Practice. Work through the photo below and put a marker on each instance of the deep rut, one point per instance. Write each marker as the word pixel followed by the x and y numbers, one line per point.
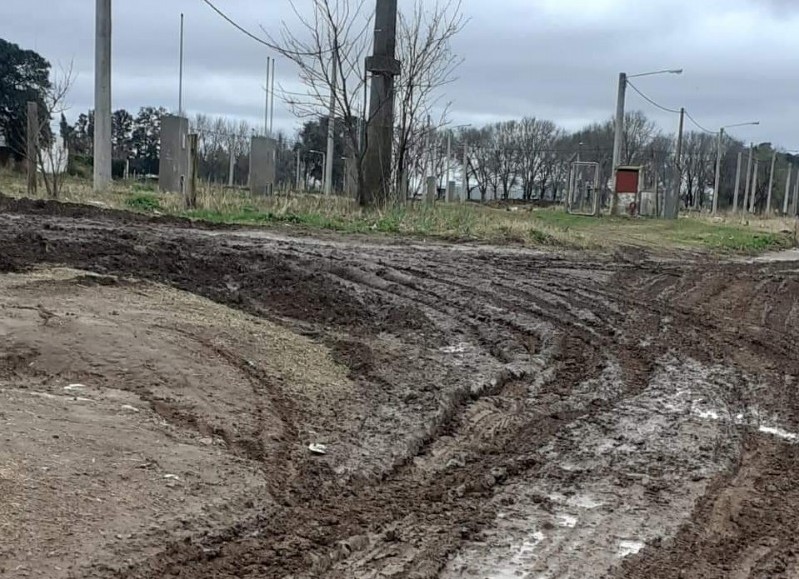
pixel 468 363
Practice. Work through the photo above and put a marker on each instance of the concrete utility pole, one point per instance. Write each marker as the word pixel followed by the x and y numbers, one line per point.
pixel 717 186
pixel 737 182
pixel 619 129
pixel 102 96
pixel 617 139
pixel 787 190
pixel 796 198
pixel 753 196
pixel 384 68
pixel 331 125
pixel 747 180
pixel 299 184
pixel 672 201
pixel 266 97
pixel 231 165
pixel 272 101
pixel 465 172
pixel 449 158
pixel 771 183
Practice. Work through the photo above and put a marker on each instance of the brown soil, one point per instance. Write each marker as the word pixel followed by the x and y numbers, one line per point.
pixel 487 412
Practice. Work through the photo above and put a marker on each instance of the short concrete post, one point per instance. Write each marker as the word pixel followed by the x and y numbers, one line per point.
pixel 451 192
pixel 432 192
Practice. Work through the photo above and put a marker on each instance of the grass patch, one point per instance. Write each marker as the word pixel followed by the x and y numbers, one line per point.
pixel 146 203
pixel 520 225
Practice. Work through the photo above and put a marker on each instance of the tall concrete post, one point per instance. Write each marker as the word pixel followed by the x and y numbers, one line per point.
pixel 747 181
pixel 796 198
pixel 737 182
pixel 384 68
pixel 671 199
pixel 753 196
pixel 717 186
pixel 331 127
pixel 787 190
pixel 465 196
pixel 449 156
pixel 771 183
pixel 102 96
pixel 617 139
pixel 231 171
pixel 299 183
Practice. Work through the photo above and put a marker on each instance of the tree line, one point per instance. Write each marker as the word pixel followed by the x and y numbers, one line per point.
pixel 531 159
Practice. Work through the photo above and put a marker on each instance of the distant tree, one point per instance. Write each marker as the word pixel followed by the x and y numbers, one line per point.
pixel 121 134
pixel 313 137
pixel 146 140
pixel 24 77
pixel 83 135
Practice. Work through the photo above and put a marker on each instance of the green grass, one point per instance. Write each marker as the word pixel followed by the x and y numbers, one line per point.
pixel 141 202
pixel 449 222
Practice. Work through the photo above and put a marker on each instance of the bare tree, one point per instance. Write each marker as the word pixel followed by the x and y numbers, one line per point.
pixel 52 153
pixel 638 133
pixel 428 64
pixel 699 157
pixel 329 48
pixel 534 139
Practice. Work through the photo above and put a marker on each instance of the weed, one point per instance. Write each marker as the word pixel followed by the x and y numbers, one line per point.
pixel 147 203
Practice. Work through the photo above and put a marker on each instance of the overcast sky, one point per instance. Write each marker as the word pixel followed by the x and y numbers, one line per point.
pixel 554 59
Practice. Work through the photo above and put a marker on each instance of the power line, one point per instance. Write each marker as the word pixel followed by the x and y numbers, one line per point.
pixel 668 110
pixel 260 40
pixel 237 26
pixel 701 128
pixel 650 101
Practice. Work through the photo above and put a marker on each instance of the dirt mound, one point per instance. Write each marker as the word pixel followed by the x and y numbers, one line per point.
pixel 82 211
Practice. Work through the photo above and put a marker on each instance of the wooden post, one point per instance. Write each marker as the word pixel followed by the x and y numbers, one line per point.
pixel 32 146
pixel 191 189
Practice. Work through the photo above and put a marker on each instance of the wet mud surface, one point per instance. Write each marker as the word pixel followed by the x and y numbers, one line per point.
pixel 487 412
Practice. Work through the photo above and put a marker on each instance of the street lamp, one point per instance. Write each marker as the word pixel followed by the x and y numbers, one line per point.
pixel 617 141
pixel 324 160
pixel 717 183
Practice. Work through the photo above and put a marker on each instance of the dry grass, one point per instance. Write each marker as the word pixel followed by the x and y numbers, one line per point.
pixel 463 222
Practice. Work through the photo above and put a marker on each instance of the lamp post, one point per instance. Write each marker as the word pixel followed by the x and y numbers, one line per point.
pixel 619 134
pixel 717 182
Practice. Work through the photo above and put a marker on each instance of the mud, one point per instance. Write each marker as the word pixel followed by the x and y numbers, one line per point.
pixel 487 412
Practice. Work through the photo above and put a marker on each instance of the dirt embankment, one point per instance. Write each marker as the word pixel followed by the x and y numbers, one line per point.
pixel 493 413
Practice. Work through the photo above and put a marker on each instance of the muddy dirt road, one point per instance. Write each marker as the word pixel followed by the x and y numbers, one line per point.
pixel 488 413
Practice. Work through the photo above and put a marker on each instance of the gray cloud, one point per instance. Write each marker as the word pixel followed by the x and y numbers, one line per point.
pixel 556 59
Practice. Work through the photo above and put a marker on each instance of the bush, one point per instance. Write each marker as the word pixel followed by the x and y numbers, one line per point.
pixel 143 203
